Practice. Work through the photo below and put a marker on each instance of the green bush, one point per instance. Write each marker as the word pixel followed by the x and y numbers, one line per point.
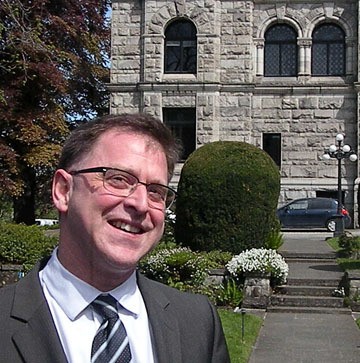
pixel 25 245
pixel 350 245
pixel 177 267
pixel 228 194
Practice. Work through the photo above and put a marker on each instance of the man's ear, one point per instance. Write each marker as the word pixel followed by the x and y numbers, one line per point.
pixel 61 190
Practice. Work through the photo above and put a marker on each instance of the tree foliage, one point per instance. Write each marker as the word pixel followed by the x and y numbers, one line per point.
pixel 53 71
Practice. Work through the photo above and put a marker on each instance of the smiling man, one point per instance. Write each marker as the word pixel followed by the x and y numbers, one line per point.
pixel 87 302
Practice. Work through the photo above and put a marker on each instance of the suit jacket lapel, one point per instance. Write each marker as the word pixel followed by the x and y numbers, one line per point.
pixel 37 339
pixel 164 325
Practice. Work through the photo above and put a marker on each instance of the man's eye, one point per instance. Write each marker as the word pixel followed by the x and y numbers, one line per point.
pixel 157 193
pixel 119 181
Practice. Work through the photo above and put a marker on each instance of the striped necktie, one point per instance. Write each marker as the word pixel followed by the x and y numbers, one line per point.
pixel 111 343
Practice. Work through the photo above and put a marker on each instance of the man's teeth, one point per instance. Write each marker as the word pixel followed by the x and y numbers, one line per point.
pixel 126 227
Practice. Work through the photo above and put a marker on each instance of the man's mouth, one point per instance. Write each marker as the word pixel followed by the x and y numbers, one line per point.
pixel 125 227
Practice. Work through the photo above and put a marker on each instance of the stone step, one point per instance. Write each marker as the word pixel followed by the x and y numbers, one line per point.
pixel 313 282
pixel 311 260
pixel 308 255
pixel 305 290
pixel 306 309
pixel 307 301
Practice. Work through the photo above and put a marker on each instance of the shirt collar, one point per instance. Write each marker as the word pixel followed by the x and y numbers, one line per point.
pixel 63 286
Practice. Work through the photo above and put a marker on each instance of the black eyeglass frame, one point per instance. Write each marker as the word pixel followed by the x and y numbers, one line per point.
pixel 104 169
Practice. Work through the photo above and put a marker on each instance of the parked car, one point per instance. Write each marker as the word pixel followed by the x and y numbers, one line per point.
pixel 312 213
pixel 46 222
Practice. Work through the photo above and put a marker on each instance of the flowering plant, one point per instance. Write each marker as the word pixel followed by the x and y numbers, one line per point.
pixel 175 266
pixel 259 260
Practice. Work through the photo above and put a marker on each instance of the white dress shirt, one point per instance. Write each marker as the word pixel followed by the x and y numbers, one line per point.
pixel 77 323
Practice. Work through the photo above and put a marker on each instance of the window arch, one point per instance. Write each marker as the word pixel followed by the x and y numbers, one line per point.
pixel 180 47
pixel 328 51
pixel 280 51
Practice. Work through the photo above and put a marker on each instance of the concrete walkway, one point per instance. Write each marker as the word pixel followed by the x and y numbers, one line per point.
pixel 307 337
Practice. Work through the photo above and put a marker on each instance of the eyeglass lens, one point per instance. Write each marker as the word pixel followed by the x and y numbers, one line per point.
pixel 122 183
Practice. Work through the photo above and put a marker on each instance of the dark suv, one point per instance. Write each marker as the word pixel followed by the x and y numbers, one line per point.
pixel 311 213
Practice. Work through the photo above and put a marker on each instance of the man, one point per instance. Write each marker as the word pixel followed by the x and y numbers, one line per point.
pixel 87 303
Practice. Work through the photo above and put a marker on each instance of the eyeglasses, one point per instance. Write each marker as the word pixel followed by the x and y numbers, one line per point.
pixel 122 184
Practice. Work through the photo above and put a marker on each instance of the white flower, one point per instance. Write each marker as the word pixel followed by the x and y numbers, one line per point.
pixel 259 260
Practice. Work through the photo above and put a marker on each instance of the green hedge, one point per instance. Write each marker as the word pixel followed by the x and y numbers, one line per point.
pixel 228 194
pixel 24 245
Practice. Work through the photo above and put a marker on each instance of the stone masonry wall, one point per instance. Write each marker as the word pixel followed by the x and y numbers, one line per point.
pixel 233 99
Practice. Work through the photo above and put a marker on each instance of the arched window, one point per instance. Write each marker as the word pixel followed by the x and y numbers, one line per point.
pixel 328 51
pixel 180 47
pixel 280 51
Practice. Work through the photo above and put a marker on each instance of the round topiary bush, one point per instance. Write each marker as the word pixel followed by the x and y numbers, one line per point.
pixel 228 194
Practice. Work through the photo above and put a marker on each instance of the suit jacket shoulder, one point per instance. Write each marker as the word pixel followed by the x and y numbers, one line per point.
pixel 27 330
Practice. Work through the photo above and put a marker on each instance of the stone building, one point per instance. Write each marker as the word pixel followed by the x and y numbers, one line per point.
pixel 282 75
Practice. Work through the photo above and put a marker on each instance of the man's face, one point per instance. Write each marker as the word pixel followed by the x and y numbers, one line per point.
pixel 104 234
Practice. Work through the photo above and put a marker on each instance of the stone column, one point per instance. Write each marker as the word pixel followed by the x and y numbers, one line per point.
pixel 304 56
pixel 350 69
pixel 259 61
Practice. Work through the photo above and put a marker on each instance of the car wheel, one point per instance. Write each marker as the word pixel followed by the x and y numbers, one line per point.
pixel 331 225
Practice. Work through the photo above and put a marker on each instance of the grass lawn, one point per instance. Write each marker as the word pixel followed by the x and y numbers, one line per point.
pixel 240 349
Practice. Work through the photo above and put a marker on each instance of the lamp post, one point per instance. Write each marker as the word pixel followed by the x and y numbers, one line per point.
pixel 339 152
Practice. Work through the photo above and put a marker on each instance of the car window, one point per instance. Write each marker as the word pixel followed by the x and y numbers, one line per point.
pixel 301 204
pixel 320 204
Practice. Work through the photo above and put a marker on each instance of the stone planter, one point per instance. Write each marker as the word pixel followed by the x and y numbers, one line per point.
pixel 215 277
pixel 257 291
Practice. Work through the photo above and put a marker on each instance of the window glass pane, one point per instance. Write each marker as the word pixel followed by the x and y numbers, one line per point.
pixel 173 59
pixel 182 122
pixel 328 32
pixel 280 34
pixel 180 47
pixel 280 51
pixel 288 54
pixel 272 145
pixel 336 59
pixel 190 59
pixel 180 30
pixel 328 51
pixel 272 56
pixel 319 59
pixel 303 204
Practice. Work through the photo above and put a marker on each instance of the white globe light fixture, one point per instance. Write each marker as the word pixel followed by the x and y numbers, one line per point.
pixel 339 137
pixel 346 148
pixel 353 157
pixel 332 148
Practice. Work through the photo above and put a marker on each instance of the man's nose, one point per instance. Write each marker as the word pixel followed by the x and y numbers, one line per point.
pixel 138 198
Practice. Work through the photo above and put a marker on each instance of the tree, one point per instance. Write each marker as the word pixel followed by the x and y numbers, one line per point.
pixel 228 194
pixel 53 71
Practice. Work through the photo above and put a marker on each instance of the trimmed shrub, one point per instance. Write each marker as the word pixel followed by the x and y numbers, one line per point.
pixel 24 245
pixel 228 194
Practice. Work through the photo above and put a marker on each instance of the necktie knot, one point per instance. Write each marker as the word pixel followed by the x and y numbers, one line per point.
pixel 105 305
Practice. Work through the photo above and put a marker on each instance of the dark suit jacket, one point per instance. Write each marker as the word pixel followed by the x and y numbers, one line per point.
pixel 185 327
